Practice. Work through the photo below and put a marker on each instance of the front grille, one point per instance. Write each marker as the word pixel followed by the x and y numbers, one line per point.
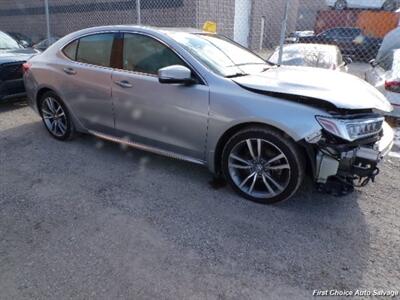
pixel 11 71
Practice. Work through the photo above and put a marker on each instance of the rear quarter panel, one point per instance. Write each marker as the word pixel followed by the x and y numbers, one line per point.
pixel 44 74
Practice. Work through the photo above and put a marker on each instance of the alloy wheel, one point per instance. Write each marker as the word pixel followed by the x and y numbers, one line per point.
pixel 259 168
pixel 54 117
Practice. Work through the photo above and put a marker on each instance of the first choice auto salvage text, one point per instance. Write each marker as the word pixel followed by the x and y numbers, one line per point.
pixel 356 293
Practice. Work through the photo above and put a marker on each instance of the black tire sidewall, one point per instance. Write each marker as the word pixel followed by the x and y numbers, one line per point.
pixel 287 147
pixel 69 131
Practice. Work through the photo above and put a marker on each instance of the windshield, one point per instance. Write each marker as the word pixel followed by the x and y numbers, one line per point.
pixel 7 42
pixel 219 54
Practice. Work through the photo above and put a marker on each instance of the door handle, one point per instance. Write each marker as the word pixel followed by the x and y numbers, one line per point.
pixel 124 84
pixel 69 71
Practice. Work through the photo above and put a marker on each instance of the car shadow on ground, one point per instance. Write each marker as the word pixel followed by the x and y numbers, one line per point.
pixel 13 105
pixel 311 241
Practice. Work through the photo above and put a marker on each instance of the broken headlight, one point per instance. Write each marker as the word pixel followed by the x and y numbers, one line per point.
pixel 351 129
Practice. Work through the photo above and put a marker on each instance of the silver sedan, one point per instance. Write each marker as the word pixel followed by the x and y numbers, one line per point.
pixel 203 98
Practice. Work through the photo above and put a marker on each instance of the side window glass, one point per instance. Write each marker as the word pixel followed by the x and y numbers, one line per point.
pixel 96 49
pixel 354 33
pixel 70 50
pixel 346 33
pixel 331 33
pixel 387 62
pixel 146 55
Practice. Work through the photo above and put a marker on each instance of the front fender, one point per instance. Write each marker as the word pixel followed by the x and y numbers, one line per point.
pixel 242 107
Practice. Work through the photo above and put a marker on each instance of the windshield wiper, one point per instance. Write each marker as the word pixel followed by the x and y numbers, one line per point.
pixel 236 75
pixel 271 63
pixel 246 64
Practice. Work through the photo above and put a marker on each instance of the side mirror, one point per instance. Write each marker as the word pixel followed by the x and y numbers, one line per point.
pixel 175 74
pixel 373 63
pixel 347 60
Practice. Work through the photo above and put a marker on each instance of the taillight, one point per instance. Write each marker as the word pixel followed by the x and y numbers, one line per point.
pixel 393 86
pixel 26 66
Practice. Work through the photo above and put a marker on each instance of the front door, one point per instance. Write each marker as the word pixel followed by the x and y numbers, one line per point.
pixel 170 117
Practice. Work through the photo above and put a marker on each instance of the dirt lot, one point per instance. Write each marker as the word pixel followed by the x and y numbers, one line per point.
pixel 89 219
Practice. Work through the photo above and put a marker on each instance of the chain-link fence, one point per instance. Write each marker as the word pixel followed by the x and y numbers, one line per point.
pixel 355 26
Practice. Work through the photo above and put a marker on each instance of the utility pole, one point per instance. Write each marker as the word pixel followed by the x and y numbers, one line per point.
pixel 283 31
pixel 47 12
pixel 138 12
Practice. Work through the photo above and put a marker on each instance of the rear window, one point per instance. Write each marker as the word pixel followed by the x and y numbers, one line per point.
pixel 95 49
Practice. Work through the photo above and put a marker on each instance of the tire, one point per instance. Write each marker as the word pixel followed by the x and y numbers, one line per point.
pixel 56 117
pixel 280 159
pixel 340 5
pixel 389 5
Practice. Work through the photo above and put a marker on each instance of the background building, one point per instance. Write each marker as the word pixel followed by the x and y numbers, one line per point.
pixel 253 23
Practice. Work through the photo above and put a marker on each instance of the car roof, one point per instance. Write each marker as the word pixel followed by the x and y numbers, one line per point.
pixel 343 29
pixel 142 28
pixel 347 28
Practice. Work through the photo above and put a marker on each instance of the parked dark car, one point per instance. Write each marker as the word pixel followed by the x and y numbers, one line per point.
pixel 12 57
pixel 21 38
pixel 351 41
pixel 46 43
pixel 295 35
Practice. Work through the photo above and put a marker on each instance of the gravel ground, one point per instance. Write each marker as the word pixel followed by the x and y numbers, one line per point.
pixel 88 219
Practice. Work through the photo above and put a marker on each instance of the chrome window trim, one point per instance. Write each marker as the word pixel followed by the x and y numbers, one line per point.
pixel 61 52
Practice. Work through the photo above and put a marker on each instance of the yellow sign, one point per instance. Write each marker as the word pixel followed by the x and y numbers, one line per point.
pixel 210 26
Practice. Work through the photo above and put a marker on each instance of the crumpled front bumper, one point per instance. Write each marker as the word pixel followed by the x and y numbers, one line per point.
pixel 386 142
pixel 360 162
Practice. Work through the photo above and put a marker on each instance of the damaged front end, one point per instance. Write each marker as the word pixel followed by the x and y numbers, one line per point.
pixel 347 151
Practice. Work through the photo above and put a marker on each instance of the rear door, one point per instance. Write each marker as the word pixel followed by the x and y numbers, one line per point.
pixel 87 80
pixel 171 117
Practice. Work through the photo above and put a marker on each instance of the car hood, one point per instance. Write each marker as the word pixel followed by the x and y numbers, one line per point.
pixel 342 90
pixel 22 54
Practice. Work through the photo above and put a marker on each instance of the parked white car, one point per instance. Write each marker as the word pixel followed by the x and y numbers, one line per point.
pixel 385 76
pixel 390 42
pixel 312 55
pixel 389 5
